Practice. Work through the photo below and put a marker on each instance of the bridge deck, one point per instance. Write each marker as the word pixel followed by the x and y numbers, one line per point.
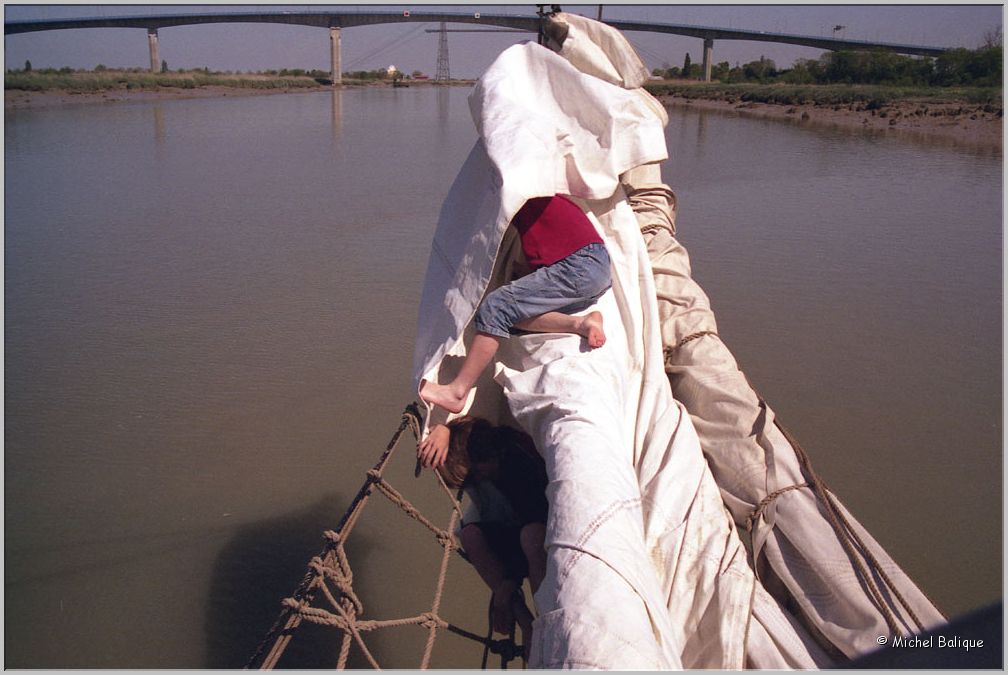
pixel 341 19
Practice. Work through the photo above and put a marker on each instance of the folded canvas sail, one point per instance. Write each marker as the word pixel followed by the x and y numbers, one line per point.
pixel 646 569
pixel 841 583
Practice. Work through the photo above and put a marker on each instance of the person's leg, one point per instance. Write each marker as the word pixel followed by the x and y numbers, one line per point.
pixel 577 281
pixel 452 396
pixel 481 555
pixel 579 278
pixel 483 544
pixel 588 326
pixel 524 618
pixel 533 539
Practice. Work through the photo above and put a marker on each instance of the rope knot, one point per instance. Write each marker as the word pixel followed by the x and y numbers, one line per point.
pixel 431 620
pixel 294 604
pixel 446 540
pixel 766 501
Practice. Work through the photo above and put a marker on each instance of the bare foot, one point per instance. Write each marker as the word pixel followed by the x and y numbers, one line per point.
pixel 591 329
pixel 443 395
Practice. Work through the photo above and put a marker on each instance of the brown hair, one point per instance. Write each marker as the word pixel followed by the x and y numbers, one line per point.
pixel 456 465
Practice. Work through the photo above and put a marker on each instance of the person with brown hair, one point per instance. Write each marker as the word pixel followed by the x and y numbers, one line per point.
pixel 505 478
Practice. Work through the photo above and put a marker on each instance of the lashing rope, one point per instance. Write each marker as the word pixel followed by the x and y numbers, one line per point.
pixel 858 553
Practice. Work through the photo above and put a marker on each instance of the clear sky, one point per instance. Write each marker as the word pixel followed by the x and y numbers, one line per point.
pixel 252 47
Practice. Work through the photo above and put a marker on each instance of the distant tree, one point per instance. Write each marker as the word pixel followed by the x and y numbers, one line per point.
pixel 164 66
pixel 417 73
pixel 761 70
pixel 686 65
pixel 802 72
pixel 27 66
pixel 992 38
pixel 100 68
pixel 736 74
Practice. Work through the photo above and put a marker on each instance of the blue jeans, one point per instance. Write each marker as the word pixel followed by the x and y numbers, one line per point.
pixel 568 285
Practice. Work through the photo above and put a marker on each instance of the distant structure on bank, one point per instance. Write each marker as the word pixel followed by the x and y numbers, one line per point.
pixel 443 71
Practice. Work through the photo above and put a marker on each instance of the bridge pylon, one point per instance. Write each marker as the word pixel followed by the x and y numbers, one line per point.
pixel 152 43
pixel 335 64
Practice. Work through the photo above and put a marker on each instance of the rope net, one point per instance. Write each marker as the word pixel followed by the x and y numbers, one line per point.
pixel 326 594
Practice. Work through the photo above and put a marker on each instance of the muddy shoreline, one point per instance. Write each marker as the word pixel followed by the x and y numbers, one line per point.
pixel 953 122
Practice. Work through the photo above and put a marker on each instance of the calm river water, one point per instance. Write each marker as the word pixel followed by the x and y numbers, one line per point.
pixel 210 308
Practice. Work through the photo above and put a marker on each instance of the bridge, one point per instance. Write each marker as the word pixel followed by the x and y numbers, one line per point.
pixel 335 21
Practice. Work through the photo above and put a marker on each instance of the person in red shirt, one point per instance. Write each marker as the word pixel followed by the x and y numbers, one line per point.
pixel 571 270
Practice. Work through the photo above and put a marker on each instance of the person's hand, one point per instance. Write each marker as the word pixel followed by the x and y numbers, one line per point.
pixel 503 615
pixel 433 449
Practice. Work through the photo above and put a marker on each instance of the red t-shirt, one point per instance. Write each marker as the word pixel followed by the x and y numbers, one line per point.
pixel 551 228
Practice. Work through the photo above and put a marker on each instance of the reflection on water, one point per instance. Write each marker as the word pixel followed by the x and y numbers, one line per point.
pixel 209 324
pixel 337 111
pixel 159 123
pixel 443 94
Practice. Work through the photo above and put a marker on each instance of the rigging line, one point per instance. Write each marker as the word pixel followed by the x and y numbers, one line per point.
pixel 647 52
pixel 395 41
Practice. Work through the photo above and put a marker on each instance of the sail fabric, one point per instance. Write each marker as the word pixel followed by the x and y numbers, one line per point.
pixel 798 551
pixel 559 131
pixel 645 567
pixel 751 458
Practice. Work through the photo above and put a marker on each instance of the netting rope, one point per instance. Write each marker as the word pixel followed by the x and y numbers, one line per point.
pixel 326 594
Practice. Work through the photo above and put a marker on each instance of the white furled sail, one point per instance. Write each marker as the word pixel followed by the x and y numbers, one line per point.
pixel 646 569
pixel 815 554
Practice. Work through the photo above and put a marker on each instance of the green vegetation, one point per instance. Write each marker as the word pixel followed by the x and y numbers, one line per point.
pixel 981 67
pixel 104 78
pixel 862 80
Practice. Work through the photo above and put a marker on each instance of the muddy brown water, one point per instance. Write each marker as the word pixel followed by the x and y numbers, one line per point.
pixel 209 315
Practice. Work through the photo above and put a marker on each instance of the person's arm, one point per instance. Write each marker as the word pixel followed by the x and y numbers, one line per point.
pixel 434 448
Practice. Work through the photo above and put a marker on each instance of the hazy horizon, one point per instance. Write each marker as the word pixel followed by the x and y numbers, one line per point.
pixel 254 47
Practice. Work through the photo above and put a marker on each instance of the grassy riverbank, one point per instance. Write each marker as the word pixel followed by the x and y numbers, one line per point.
pixel 107 80
pixel 963 115
pixel 870 96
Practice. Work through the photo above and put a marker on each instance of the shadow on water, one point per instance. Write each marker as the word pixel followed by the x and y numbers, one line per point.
pixel 263 564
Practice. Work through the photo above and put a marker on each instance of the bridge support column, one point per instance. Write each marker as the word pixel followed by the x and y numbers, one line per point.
pixel 334 56
pixel 708 53
pixel 152 41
